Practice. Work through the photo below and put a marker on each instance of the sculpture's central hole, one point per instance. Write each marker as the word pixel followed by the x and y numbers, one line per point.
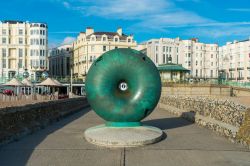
pixel 123 86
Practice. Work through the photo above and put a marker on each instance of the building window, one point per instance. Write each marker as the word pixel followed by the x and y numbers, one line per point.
pixel 116 39
pixel 211 55
pixel 156 58
pixel 163 48
pixel 20 31
pixel 196 72
pixel 156 48
pixel 189 63
pixel 4 32
pixel 4 40
pixel 196 63
pixel 93 38
pixel 116 47
pixel 4 63
pixel 129 40
pixel 20 63
pixel 20 52
pixel 104 39
pixel 163 58
pixel 212 63
pixel 4 52
pixel 20 40
pixel 211 74
pixel 104 48
pixel 169 49
pixel 92 48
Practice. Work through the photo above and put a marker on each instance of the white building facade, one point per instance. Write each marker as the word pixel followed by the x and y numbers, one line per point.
pixel 200 58
pixel 23 46
pixel 89 45
pixel 234 60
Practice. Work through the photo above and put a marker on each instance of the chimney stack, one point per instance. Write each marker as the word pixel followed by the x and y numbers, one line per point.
pixel 119 31
pixel 89 31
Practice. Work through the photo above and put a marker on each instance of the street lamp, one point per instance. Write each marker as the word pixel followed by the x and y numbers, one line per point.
pixel 45 74
pixel 26 74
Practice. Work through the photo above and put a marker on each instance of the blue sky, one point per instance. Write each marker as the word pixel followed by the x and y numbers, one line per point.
pixel 212 21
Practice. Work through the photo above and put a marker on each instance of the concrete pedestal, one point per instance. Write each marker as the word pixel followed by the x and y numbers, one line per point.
pixel 123 136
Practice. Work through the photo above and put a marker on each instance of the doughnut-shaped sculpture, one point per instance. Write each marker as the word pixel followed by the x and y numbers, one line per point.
pixel 123 86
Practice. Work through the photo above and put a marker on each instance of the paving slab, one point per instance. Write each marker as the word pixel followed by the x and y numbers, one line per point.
pixel 63 143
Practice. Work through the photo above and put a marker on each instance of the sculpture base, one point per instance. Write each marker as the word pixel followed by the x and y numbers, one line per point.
pixel 103 135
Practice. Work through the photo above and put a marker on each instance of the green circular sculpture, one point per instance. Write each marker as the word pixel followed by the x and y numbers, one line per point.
pixel 123 86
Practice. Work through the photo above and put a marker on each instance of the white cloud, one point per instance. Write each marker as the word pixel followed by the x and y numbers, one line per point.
pixel 160 16
pixel 66 4
pixel 68 40
pixel 121 9
pixel 217 32
pixel 239 9
pixel 147 13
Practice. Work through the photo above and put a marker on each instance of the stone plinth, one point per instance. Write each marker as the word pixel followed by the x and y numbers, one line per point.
pixel 123 136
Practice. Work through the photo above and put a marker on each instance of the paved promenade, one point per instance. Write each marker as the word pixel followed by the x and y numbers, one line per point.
pixel 185 144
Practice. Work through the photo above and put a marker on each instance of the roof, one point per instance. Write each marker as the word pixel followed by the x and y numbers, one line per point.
pixel 49 82
pixel 12 21
pixel 172 67
pixel 13 82
pixel 109 34
pixel 26 82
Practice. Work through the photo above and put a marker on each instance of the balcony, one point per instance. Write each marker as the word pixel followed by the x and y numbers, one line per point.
pixel 231 69
pixel 240 78
pixel 240 68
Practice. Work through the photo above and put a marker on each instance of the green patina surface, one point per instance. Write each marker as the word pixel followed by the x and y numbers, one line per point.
pixel 117 107
pixel 171 67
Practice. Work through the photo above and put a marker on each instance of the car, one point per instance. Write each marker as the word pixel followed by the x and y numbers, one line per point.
pixel 8 92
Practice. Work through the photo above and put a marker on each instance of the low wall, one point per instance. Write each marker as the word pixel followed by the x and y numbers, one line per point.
pixel 16 122
pixel 223 116
pixel 203 90
pixel 241 91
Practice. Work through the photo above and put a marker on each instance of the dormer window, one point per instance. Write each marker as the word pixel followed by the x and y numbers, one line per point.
pixel 93 38
pixel 129 40
pixel 104 39
pixel 116 39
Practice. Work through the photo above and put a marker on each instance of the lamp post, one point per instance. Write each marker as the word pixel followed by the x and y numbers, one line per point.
pixel 45 75
pixel 26 75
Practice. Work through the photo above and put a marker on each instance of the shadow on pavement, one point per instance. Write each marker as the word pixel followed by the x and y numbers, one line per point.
pixel 167 123
pixel 19 152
